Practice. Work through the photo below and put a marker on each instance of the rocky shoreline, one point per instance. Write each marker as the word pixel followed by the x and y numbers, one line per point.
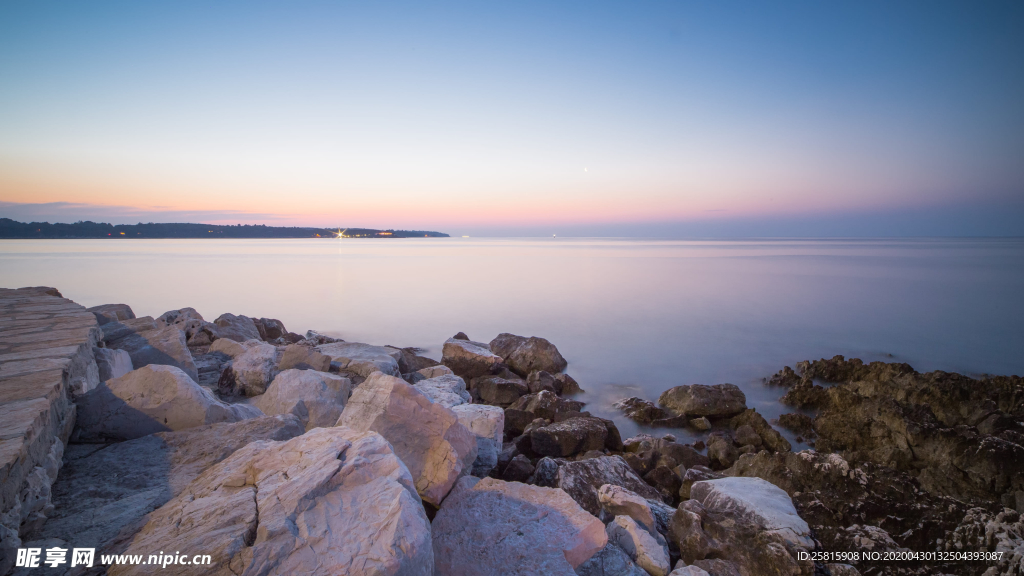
pixel 280 453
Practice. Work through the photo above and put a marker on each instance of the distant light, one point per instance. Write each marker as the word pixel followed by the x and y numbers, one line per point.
pixel 465 236
pixel 122 233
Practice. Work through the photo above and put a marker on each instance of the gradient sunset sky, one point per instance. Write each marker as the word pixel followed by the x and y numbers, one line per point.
pixel 617 118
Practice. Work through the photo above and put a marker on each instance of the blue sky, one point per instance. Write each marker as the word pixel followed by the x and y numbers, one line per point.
pixel 725 117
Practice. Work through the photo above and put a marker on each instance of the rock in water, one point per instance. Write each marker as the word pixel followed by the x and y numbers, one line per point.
pixel 363 359
pixel 332 501
pixel 582 479
pixel 526 355
pixel 238 328
pixel 447 390
pixel 151 399
pixel 147 343
pixel 495 527
pixel 748 521
pixel 112 363
pixel 467 358
pixel 426 436
pixel 718 401
pixel 316 398
pixel 487 423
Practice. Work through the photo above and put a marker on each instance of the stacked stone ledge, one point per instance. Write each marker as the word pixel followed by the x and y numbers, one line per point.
pixel 46 356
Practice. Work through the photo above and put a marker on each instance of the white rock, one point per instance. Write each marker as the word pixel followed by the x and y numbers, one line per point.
pixel 317 398
pixel 618 501
pixel 447 390
pixel 467 358
pixel 435 371
pixel 638 543
pixel 495 527
pixel 363 359
pixel 487 423
pixel 151 399
pixel 426 436
pixel 112 363
pixel 254 369
pixel 757 501
pixel 332 501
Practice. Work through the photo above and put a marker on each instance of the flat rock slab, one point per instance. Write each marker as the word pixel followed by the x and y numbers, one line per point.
pixel 495 527
pixel 46 357
pixel 363 359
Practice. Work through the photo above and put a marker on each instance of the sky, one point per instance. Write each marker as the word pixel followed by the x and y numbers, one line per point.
pixel 528 118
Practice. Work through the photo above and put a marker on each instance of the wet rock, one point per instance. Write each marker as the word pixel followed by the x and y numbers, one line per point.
pixel 468 359
pixel 112 363
pixel 409 360
pixel 749 521
pixel 345 506
pixel 303 358
pixel 721 451
pixel 799 423
pixel 672 454
pixel 362 359
pixel 666 482
pixel 718 401
pixel 316 398
pixel 640 410
pixel 269 328
pixel 151 399
pixel 785 378
pixel 426 436
pixel 567 385
pixel 757 432
pixel 460 336
pixel 516 421
pixel 582 480
pixel 448 390
pixel 525 355
pixel 314 338
pixel 541 380
pixel 517 529
pixel 639 545
pixel 487 423
pixel 701 424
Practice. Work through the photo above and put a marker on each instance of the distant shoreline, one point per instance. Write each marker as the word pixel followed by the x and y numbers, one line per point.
pixel 11 230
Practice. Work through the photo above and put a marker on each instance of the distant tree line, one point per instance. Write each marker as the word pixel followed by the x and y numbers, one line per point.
pixel 86 229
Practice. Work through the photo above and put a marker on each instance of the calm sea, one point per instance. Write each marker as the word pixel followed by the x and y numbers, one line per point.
pixel 632 317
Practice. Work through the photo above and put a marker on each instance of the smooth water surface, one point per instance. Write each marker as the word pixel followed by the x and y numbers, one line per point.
pixel 632 317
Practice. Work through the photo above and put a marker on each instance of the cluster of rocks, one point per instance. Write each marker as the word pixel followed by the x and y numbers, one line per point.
pixel 287 454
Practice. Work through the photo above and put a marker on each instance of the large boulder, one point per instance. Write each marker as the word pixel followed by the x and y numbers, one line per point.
pixel 316 398
pixel 584 478
pixel 238 328
pixel 105 491
pixel 188 320
pixel 426 436
pixel 304 358
pixel 151 399
pixel 251 371
pixel 112 363
pixel 696 400
pixel 487 423
pixel 748 521
pixel 546 405
pixel 106 313
pixel 362 359
pixel 569 437
pixel 269 328
pixel 494 527
pixel 332 501
pixel 467 358
pixel 448 390
pixel 148 343
pixel 526 355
